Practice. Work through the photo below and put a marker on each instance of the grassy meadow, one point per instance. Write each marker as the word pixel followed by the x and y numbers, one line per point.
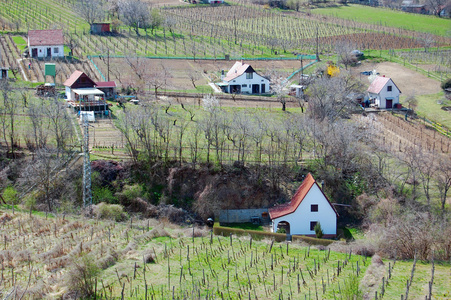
pixel 390 18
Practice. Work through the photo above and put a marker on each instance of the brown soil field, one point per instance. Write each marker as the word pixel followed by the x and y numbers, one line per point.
pixel 407 80
pixel 180 70
pixel 165 2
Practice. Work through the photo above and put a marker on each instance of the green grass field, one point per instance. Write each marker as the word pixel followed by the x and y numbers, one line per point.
pixel 391 18
pixel 429 107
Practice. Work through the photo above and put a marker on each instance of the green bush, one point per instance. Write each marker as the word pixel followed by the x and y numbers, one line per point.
pixel 256 235
pixel 311 240
pixel 103 194
pixel 110 211
pixel 130 193
pixel 318 230
pixel 10 195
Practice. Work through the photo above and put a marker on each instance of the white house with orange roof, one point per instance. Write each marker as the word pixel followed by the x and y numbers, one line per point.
pixel 308 207
pixel 384 93
pixel 243 79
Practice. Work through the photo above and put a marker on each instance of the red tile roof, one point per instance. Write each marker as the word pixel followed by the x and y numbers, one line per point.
pixel 378 84
pixel 290 207
pixel 71 80
pixel 238 69
pixel 106 84
pixel 46 37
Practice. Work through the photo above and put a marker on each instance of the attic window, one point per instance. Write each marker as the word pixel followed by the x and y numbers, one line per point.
pixel 314 207
pixel 389 88
pixel 312 225
pixel 249 75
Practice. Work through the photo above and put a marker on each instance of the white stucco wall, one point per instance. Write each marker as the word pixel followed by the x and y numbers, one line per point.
pixel 42 50
pixel 381 97
pixel 68 93
pixel 300 219
pixel 256 79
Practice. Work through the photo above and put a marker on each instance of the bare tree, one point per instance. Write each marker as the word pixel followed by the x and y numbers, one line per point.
pixel 344 52
pixel 427 40
pixel 135 14
pixel 442 178
pixel 158 78
pixel 194 76
pixel 90 10
pixel 59 124
pixel 8 110
pixel 328 97
pixel 71 42
pixel 279 88
pixel 411 101
pixel 436 6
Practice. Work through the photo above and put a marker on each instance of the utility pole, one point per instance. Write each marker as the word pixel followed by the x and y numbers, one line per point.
pixel 317 44
pixel 87 193
pixel 108 64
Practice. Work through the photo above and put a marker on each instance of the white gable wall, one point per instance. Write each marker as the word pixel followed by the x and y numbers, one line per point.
pixel 256 79
pixel 384 94
pixel 42 51
pixel 300 219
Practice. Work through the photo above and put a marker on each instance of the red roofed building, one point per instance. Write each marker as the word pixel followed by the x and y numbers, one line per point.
pixel 242 78
pixel 384 93
pixel 83 95
pixel 108 87
pixel 46 43
pixel 308 207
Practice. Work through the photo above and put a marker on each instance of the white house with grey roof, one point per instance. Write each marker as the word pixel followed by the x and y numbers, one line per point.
pixel 243 79
pixel 384 93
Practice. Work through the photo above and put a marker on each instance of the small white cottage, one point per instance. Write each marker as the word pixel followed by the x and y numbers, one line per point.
pixel 242 78
pixel 384 93
pixel 46 43
pixel 308 207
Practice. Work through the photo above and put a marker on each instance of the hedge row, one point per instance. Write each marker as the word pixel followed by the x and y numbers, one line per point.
pixel 311 240
pixel 256 235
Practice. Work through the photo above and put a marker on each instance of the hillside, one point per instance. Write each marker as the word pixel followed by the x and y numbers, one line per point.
pixel 62 256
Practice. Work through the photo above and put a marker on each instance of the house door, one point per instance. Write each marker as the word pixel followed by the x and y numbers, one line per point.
pixel 388 103
pixel 34 52
pixel 4 74
pixel 49 52
pixel 255 89
pixel 235 89
pixel 263 89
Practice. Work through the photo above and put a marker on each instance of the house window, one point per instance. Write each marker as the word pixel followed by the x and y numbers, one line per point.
pixel 244 85
pixel 389 88
pixel 314 207
pixel 312 225
pixel 56 50
pixel 249 75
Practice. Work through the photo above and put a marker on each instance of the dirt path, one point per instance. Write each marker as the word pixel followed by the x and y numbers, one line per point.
pixel 407 80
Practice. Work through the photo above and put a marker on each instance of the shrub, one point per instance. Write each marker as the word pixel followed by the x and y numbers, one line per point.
pixel 257 235
pixel 103 194
pixel 318 230
pixel 311 240
pixel 82 275
pixel 446 84
pixel 110 211
pixel 10 195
